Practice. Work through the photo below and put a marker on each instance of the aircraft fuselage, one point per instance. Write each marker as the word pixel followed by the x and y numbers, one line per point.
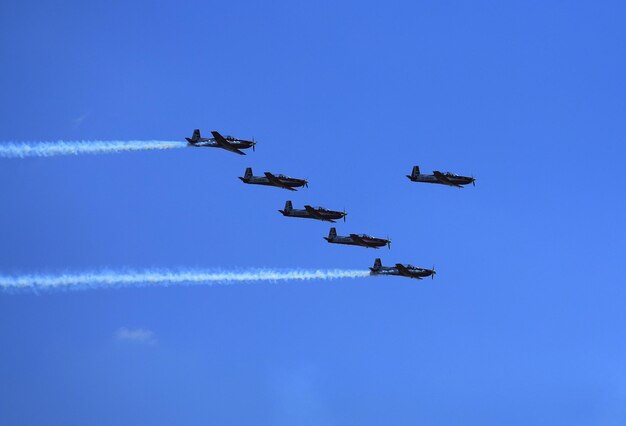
pixel 324 215
pixel 412 272
pixel 368 242
pixel 211 143
pixel 284 182
pixel 454 180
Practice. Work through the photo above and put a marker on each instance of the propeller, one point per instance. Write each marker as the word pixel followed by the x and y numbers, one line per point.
pixel 473 181
pixel 306 183
pixel 432 276
pixel 388 243
pixel 344 214
pixel 253 144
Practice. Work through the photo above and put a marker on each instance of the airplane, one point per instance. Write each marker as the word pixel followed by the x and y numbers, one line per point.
pixel 319 213
pixel 281 181
pixel 228 143
pixel 408 271
pixel 447 178
pixel 357 240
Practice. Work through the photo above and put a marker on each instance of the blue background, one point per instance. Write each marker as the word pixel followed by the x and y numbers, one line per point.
pixel 524 323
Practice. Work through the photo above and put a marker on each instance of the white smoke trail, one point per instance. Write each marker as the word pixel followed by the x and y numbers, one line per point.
pixel 113 279
pixel 49 149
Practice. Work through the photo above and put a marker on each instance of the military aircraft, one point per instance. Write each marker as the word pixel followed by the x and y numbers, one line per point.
pixel 281 181
pixel 447 178
pixel 357 240
pixel 409 271
pixel 228 143
pixel 319 213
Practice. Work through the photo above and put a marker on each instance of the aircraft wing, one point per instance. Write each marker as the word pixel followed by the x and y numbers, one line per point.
pixel 361 241
pixel 310 210
pixel 275 181
pixel 441 178
pixel 405 272
pixel 221 141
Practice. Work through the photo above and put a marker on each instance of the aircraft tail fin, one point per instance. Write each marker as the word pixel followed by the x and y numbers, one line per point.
pixel 416 172
pixel 195 138
pixel 377 265
pixel 247 175
pixel 287 210
pixel 332 233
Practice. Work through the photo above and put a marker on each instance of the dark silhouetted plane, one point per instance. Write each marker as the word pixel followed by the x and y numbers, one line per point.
pixel 447 178
pixel 357 240
pixel 228 143
pixel 409 271
pixel 319 213
pixel 280 181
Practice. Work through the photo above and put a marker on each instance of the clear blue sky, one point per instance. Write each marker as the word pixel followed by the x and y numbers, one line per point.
pixel 525 321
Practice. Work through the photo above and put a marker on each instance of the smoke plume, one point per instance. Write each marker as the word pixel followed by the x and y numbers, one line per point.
pixel 149 278
pixel 49 149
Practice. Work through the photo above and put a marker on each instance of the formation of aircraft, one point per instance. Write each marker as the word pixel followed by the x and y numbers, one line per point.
pixel 280 181
pixel 362 240
pixel 447 178
pixel 228 143
pixel 401 270
pixel 235 145
pixel 319 213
